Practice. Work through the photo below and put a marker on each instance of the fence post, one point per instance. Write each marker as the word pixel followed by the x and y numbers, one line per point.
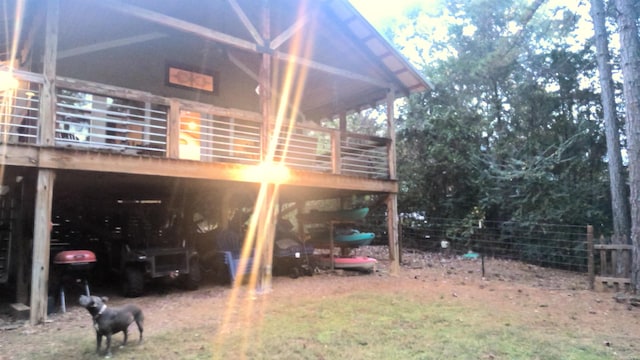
pixel 590 264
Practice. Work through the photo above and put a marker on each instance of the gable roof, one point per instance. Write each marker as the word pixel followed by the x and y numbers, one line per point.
pixel 346 64
pixel 410 78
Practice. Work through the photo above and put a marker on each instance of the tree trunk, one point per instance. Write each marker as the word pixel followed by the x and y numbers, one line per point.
pixel 630 64
pixel 617 184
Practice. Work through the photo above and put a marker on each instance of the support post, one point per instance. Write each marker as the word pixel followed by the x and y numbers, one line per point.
pixel 41 246
pixel 173 130
pixel 48 92
pixel 267 211
pixel 44 187
pixel 265 81
pixel 590 263
pixel 392 199
pixel 391 129
pixel 392 225
pixel 22 255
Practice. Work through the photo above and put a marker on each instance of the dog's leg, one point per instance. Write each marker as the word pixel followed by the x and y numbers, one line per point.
pixel 98 342
pixel 108 345
pixel 140 328
pixel 126 336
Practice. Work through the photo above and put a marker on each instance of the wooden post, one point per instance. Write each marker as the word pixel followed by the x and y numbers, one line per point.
pixel 173 130
pixel 48 93
pixel 336 157
pixel 392 226
pixel 590 263
pixel 267 210
pixel 268 215
pixel 392 199
pixel 265 81
pixel 391 124
pixel 22 278
pixel 41 246
pixel 44 192
pixel 343 124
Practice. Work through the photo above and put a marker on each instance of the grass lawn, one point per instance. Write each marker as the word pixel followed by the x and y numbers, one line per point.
pixel 434 312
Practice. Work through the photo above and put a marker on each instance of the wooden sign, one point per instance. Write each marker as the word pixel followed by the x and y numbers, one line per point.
pixel 189 79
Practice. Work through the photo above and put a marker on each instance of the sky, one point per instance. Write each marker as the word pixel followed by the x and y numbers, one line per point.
pixel 378 12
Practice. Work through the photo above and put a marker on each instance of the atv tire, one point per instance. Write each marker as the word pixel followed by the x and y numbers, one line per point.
pixel 194 277
pixel 133 282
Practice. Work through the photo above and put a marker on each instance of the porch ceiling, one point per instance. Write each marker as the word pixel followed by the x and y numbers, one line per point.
pixel 344 62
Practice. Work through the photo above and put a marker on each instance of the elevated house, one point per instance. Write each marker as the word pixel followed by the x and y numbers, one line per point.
pixel 104 99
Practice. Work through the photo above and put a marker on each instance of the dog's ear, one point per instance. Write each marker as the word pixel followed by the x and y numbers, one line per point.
pixel 104 298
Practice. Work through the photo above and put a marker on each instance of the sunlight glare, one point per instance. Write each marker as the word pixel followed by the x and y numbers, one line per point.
pixel 259 237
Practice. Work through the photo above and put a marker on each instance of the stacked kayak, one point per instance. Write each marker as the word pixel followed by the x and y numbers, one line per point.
pixel 342 237
pixel 361 263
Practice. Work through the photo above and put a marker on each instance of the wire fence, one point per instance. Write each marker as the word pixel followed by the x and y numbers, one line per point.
pixel 548 245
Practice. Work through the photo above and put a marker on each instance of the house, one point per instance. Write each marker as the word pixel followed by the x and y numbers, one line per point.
pixel 228 97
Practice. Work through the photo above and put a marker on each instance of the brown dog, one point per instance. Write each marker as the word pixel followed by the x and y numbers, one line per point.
pixel 109 321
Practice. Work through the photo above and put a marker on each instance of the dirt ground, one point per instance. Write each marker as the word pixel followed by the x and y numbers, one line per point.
pixel 541 296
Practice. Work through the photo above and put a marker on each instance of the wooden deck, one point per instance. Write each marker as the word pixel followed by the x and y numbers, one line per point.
pixel 99 121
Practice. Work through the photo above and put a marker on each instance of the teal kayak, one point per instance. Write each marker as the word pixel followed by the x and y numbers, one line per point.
pixel 341 238
pixel 354 239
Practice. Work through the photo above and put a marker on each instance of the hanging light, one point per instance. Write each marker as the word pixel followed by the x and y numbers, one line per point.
pixel 7 81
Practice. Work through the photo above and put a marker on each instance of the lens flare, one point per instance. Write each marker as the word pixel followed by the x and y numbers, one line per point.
pixel 244 308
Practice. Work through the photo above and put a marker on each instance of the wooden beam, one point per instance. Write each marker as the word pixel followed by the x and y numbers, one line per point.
pixel 106 45
pixel 246 22
pixel 110 90
pixel 63 159
pixel 177 24
pixel 289 32
pixel 391 130
pixel 332 70
pixel 41 247
pixel 266 234
pixel 265 81
pixel 590 257
pixel 18 155
pixel 392 231
pixel 217 36
pixel 242 66
pixel 220 111
pixel 22 247
pixel 266 231
pixel 173 130
pixel 48 92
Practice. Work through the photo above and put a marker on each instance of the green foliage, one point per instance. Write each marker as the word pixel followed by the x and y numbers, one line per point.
pixel 511 129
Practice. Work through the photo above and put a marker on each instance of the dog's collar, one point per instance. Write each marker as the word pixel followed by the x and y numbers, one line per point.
pixel 102 309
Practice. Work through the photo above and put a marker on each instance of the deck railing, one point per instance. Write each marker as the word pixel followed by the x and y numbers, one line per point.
pixel 101 117
pixel 20 110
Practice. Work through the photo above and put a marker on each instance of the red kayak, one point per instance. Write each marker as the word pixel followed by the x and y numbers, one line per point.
pixel 362 263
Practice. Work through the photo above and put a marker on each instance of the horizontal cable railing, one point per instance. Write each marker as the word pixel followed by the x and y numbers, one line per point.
pixel 364 155
pixel 102 117
pixel 97 121
pixel 304 148
pixel 206 136
pixel 20 110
